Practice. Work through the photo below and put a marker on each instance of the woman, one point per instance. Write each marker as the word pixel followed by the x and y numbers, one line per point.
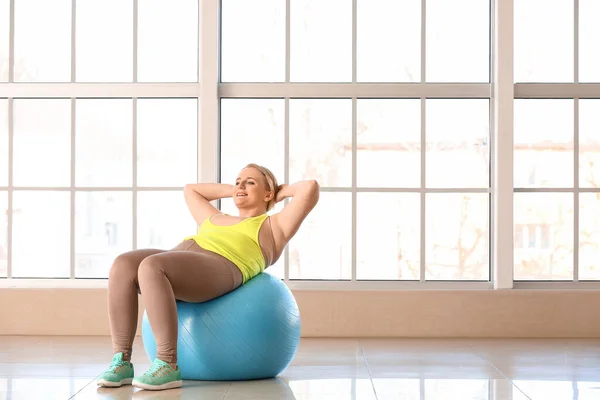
pixel 226 252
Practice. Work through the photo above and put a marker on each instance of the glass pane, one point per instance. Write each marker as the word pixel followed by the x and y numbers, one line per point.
pixel 589 236
pixel 104 143
pixel 104 41
pixel 42 137
pixel 4 142
pixel 322 248
pixel 252 131
pixel 43 41
pixel 167 142
pixel 543 236
pixel 228 207
pixel 321 141
pixel 389 139
pixel 321 41
pixel 4 38
pixel 394 252
pixel 458 137
pixel 458 41
pixel 3 235
pixel 589 143
pixel 163 220
pixel 543 143
pixel 589 41
pixel 543 41
pixel 168 41
pixel 103 230
pixel 395 26
pixel 46 214
pixel 457 236
pixel 252 41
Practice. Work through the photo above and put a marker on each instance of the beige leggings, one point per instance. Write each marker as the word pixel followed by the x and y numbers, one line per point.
pixel 187 272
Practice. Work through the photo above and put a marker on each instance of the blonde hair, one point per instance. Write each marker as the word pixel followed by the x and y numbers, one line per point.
pixel 271 182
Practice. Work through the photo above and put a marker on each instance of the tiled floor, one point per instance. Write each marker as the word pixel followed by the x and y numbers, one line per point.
pixel 51 368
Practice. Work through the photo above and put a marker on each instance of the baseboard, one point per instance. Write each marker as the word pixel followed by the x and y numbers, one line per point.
pixel 444 313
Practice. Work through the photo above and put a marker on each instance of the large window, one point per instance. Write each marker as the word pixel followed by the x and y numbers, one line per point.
pixel 404 170
pixel 399 109
pixel 91 171
pixel 556 141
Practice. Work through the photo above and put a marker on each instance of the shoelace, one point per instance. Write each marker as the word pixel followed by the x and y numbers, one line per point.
pixel 153 371
pixel 116 364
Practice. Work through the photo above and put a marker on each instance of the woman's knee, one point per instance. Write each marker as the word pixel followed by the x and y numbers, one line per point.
pixel 150 268
pixel 124 267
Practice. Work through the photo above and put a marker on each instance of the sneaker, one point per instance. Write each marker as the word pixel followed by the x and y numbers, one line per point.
pixel 119 373
pixel 159 377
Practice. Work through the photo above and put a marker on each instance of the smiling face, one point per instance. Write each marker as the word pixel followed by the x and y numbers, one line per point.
pixel 253 189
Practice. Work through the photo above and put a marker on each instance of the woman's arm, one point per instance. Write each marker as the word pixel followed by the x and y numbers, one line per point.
pixel 305 195
pixel 199 195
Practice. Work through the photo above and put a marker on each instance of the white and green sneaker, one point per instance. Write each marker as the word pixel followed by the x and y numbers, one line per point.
pixel 159 377
pixel 119 373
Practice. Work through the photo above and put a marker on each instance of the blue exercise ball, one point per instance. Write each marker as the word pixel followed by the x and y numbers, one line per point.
pixel 250 333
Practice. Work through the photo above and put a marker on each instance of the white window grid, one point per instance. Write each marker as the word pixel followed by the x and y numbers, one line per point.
pixel 574 91
pixel 501 91
pixel 354 90
pixel 74 91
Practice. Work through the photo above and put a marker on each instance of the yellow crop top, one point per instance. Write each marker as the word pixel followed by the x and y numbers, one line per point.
pixel 238 243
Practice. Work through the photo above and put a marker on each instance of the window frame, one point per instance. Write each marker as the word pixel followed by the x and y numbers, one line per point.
pixel 571 91
pixel 74 90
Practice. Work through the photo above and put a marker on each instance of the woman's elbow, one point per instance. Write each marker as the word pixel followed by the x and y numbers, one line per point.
pixel 313 190
pixel 312 185
pixel 190 191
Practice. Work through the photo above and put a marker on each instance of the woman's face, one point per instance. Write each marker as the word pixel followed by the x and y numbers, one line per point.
pixel 251 189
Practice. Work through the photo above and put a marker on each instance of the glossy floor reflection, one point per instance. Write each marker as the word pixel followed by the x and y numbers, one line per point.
pixel 367 369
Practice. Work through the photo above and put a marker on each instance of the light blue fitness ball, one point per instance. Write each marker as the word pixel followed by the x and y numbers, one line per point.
pixel 250 333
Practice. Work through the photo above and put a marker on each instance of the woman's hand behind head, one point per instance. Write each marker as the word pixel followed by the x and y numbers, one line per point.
pixel 280 192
